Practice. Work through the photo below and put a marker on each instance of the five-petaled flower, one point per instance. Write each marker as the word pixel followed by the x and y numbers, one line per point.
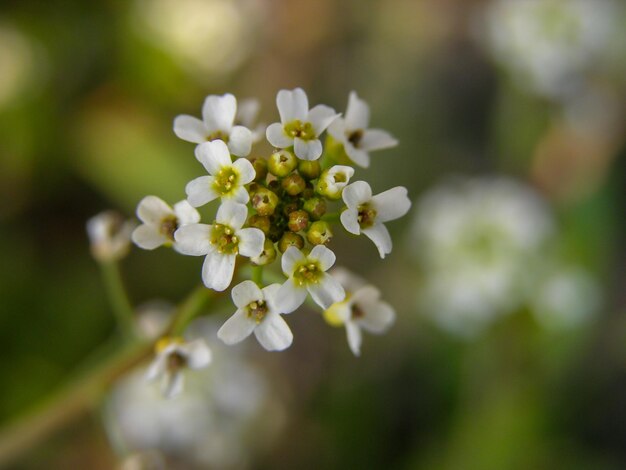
pixel 258 310
pixel 173 356
pixel 353 133
pixel 160 222
pixel 308 274
pixel 221 243
pixel 218 117
pixel 367 214
pixel 226 178
pixel 299 126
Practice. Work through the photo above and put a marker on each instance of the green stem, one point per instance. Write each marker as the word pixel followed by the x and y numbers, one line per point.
pixel 332 217
pixel 189 309
pixel 118 297
pixel 257 275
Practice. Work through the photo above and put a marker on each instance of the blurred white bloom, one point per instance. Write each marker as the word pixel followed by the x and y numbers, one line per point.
pixel 361 309
pixel 109 235
pixel 153 318
pixel 258 310
pixel 550 45
pixel 221 243
pixel 367 214
pixel 247 114
pixel 308 274
pixel 353 133
pixel 332 181
pixel 218 118
pixel 160 222
pixel 173 356
pixel 299 127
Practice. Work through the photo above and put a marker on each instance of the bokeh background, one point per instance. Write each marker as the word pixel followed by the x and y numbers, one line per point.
pixel 508 276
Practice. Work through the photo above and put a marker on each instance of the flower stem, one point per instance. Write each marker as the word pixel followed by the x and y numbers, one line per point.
pixel 332 217
pixel 190 308
pixel 257 275
pixel 118 297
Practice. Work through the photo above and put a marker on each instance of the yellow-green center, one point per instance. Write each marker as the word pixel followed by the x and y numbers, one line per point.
pixel 256 310
pixel 224 239
pixel 355 137
pixel 367 215
pixel 217 135
pixel 302 130
pixel 308 272
pixel 226 180
pixel 168 226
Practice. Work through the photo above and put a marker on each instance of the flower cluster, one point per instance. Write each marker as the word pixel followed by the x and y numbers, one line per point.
pixel 278 209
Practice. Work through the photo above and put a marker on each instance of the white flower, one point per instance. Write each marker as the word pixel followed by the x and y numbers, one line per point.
pixel 221 243
pixel 308 273
pixel 226 179
pixel 160 222
pixel 109 236
pixel 333 180
pixel 258 310
pixel 173 355
pixel 353 133
pixel 299 126
pixel 367 214
pixel 218 116
pixel 361 309
pixel 247 114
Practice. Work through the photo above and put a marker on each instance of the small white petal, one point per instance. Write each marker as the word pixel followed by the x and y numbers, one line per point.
pixel 276 136
pixel 357 113
pixel 307 149
pixel 269 293
pixel 148 237
pixel 250 242
pixel 236 328
pixel 358 156
pixel 325 257
pixel 245 293
pixel 289 297
pixel 193 239
pixel 377 139
pixel 217 270
pixel 337 129
pixel 185 213
pixel 172 384
pixel 354 335
pixel 320 117
pixel 218 112
pixel 290 257
pixel 292 105
pixel 273 333
pixel 247 112
pixel 381 238
pixel 356 193
pixel 391 204
pixel 213 155
pixel 350 221
pixel 157 367
pixel 378 317
pixel 232 214
pixel 190 129
pixel 327 291
pixel 198 353
pixel 245 169
pixel 240 195
pixel 240 141
pixel 200 191
pixel 152 209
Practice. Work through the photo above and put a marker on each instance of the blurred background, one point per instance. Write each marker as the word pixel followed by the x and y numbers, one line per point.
pixel 508 276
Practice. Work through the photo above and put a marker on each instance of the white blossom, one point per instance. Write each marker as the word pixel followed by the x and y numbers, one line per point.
pixel 299 126
pixel 173 355
pixel 258 311
pixel 160 222
pixel 109 236
pixel 221 243
pixel 352 131
pixel 332 181
pixel 308 274
pixel 218 117
pixel 247 114
pixel 367 214
pixel 226 178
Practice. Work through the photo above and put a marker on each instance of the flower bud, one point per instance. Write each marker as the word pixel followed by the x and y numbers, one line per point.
pixel 309 169
pixel 109 234
pixel 263 200
pixel 316 207
pixel 319 233
pixel 290 206
pixel 261 222
pixel 290 239
pixel 267 256
pixel 293 184
pixel 260 167
pixel 298 220
pixel 281 163
pixel 333 180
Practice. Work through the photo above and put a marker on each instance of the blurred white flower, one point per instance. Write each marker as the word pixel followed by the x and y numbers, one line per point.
pixel 109 236
pixel 247 114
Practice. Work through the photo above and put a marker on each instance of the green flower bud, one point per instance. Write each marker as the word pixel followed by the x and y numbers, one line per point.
pixel 309 169
pixel 319 233
pixel 290 206
pixel 261 222
pixel 290 239
pixel 293 184
pixel 316 207
pixel 267 256
pixel 263 200
pixel 281 163
pixel 298 220
pixel 260 167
